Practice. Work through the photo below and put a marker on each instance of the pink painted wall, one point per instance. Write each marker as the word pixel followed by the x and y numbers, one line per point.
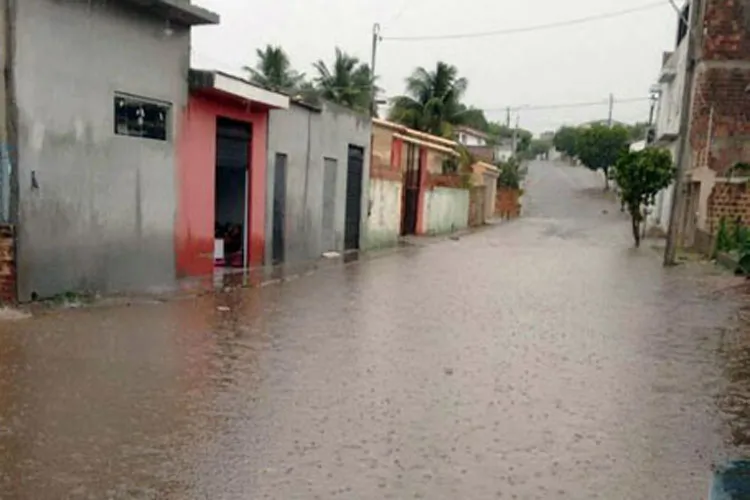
pixel 194 228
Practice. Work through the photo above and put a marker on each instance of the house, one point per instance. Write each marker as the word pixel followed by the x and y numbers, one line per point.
pixel 415 188
pixel 317 182
pixel 482 146
pixel 91 104
pixel 485 175
pixel 718 129
pixel 221 175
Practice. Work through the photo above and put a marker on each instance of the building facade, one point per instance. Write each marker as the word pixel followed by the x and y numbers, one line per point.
pixel 95 93
pixel 221 190
pixel 317 183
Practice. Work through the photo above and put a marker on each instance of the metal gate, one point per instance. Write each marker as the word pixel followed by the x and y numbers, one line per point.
pixel 353 220
pixel 411 191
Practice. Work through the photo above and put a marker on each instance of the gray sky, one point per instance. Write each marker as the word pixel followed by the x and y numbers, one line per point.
pixel 581 63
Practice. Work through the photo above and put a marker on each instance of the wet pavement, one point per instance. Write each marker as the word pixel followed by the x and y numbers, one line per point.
pixel 542 358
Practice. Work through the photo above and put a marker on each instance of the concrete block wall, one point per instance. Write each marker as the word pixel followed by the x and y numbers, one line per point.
pixel 7 264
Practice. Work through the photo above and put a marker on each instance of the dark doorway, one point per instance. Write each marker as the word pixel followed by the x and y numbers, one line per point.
pixel 279 204
pixel 231 191
pixel 353 219
pixel 411 191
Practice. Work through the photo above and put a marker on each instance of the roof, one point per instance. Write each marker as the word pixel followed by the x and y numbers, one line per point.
pixel 234 86
pixel 471 131
pixel 422 136
pixel 180 12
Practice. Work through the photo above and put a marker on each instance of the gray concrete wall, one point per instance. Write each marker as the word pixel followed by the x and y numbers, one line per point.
pixel 308 138
pixel 102 216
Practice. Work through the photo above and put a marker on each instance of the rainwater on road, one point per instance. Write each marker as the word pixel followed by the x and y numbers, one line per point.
pixel 537 359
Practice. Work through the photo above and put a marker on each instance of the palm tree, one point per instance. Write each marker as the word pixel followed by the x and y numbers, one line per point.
pixel 433 100
pixel 348 83
pixel 274 71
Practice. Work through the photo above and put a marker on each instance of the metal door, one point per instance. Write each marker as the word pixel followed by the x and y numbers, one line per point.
pixel 279 207
pixel 411 191
pixel 353 217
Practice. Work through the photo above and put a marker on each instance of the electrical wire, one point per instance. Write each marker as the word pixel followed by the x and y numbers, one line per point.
pixel 572 105
pixel 539 27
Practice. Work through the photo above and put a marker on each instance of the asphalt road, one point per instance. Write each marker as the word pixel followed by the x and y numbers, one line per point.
pixel 537 359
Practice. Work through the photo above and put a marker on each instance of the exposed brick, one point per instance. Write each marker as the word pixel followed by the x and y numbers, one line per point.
pixel 7 264
pixel 506 203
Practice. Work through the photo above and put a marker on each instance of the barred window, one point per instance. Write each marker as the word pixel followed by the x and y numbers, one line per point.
pixel 140 117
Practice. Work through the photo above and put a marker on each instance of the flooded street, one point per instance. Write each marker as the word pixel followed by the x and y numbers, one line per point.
pixel 543 358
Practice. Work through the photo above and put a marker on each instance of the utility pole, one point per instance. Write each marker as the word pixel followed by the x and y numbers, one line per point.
pixel 678 198
pixel 611 109
pixel 374 59
pixel 515 135
pixel 507 118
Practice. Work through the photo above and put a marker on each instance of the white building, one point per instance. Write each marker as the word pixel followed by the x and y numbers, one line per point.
pixel 479 143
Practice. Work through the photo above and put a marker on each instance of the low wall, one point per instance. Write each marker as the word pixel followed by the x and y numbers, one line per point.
pixel 477 200
pixel 446 210
pixel 507 203
pixel 7 264
pixel 383 214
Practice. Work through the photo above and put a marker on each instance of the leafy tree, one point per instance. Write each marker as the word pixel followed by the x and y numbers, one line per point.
pixel 433 100
pixel 349 82
pixel 511 175
pixel 599 147
pixel 539 147
pixel 274 70
pixel 566 141
pixel 640 176
pixel 523 140
pixel 499 130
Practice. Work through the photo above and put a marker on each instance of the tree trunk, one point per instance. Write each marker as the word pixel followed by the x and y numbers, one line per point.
pixel 606 179
pixel 636 226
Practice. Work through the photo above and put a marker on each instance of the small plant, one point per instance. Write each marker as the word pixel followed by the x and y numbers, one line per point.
pixel 723 238
pixel 511 174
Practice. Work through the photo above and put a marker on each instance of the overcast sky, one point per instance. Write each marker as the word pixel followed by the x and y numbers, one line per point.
pixel 580 63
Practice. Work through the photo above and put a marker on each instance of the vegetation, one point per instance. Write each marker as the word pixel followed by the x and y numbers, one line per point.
pixel 599 147
pixel 640 176
pixel 348 82
pixel 433 101
pixel 274 70
pixel 566 141
pixel 512 174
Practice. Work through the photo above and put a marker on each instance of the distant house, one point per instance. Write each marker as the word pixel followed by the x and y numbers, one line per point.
pixel 414 189
pixel 482 146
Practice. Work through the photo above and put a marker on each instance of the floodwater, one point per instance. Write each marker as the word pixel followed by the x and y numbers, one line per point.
pixel 538 359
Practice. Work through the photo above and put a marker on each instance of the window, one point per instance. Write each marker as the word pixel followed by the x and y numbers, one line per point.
pixel 139 117
pixel 682 28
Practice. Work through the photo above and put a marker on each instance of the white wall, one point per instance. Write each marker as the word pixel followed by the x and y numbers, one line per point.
pixel 384 220
pixel 670 101
pixel 468 139
pixel 446 210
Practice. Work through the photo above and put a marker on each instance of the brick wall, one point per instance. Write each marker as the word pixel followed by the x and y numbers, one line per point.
pixel 729 200
pixel 721 84
pixel 7 264
pixel 506 203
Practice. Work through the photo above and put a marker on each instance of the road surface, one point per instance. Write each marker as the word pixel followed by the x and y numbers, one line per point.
pixel 542 358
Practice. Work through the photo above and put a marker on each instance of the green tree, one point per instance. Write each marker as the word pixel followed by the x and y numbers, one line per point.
pixel 349 82
pixel 433 100
pixel 474 118
pixel 566 141
pixel 599 147
pixel 638 131
pixel 274 70
pixel 539 147
pixel 640 176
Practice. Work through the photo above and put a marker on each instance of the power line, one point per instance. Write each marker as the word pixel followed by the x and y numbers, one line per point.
pixel 571 105
pixel 539 27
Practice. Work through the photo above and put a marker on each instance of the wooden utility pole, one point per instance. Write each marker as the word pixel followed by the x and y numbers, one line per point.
pixel 611 109
pixel 678 198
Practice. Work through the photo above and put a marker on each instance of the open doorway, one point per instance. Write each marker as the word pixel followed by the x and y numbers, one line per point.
pixel 231 190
